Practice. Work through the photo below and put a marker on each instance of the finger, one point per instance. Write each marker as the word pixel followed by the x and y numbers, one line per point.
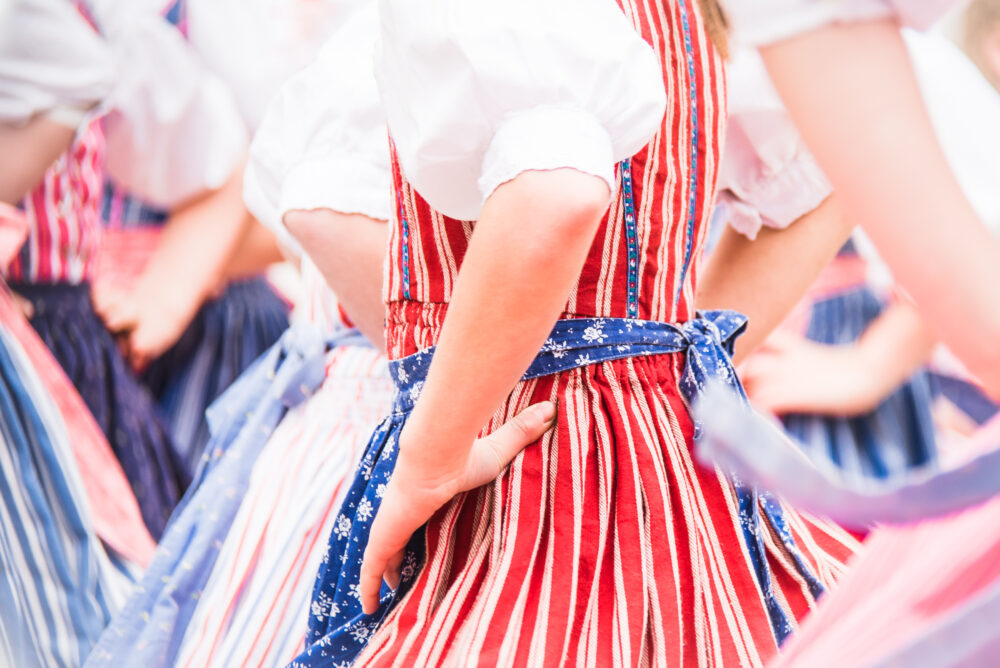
pixel 392 570
pixel 392 528
pixel 517 433
pixel 372 569
pixel 121 318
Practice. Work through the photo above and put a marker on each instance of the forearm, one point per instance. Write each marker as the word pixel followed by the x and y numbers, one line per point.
pixel 524 257
pixel 894 347
pixel 26 152
pixel 765 278
pixel 881 154
pixel 349 250
pixel 198 241
pixel 256 250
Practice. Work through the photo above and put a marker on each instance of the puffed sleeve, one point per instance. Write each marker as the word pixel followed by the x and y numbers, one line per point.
pixel 478 91
pixel 51 62
pixel 762 22
pixel 173 129
pixel 323 141
pixel 767 176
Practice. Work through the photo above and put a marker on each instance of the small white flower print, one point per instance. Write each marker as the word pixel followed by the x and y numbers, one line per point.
pixel 365 510
pixel 355 591
pixel 595 333
pixel 583 360
pixel 343 528
pixel 380 491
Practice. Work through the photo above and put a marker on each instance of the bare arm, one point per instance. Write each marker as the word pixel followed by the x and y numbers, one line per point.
pixel 791 374
pixel 26 152
pixel 853 95
pixel 525 254
pixel 187 268
pixel 256 250
pixel 765 278
pixel 349 250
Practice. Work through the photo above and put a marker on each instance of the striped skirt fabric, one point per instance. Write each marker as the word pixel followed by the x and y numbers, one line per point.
pixel 602 544
pixel 65 320
pixel 225 338
pixel 255 606
pixel 58 586
pixel 894 438
pixel 223 583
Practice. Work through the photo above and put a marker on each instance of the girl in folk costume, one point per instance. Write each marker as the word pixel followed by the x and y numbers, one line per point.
pixel 830 61
pixel 232 581
pixel 843 371
pixel 552 203
pixel 64 498
pixel 165 282
pixel 54 267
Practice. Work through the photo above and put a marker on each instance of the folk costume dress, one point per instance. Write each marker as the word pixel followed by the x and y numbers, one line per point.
pixel 770 179
pixel 232 581
pixel 604 543
pixel 228 333
pixel 52 273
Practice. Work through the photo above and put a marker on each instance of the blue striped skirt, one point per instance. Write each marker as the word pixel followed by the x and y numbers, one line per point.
pixel 58 587
pixel 224 339
pixel 65 319
pixel 898 435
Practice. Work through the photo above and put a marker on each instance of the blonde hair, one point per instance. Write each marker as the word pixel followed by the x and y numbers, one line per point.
pixel 980 18
pixel 716 25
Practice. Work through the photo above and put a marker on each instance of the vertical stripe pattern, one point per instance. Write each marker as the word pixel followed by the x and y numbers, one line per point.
pixel 604 543
pixel 63 211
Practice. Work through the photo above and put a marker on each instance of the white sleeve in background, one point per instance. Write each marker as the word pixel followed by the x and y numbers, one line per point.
pixel 323 141
pixel 965 111
pixel 768 178
pixel 478 91
pixel 256 45
pixel 51 62
pixel 762 22
pixel 173 130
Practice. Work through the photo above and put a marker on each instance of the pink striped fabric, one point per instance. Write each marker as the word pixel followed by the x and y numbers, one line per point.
pixel 64 215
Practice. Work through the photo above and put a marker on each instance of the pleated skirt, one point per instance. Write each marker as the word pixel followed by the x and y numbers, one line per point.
pixel 65 320
pixel 58 586
pixel 603 544
pixel 225 338
pixel 894 438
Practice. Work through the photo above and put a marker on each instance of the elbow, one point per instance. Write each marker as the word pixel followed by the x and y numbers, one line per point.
pixel 563 206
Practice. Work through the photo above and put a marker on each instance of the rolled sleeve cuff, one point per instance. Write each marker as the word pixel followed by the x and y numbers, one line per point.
pixel 346 186
pixel 543 139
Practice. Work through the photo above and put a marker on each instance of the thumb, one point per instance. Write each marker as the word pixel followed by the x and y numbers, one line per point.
pixel 491 454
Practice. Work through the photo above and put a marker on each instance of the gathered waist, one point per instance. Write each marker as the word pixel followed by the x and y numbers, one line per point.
pixel 706 340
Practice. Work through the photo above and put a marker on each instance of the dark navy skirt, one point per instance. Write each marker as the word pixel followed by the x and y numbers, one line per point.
pixel 898 435
pixel 225 338
pixel 65 319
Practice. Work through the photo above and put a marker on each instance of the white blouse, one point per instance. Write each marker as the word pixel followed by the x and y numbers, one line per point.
pixel 51 62
pixel 965 111
pixel 767 177
pixel 256 45
pixel 173 129
pixel 323 141
pixel 478 91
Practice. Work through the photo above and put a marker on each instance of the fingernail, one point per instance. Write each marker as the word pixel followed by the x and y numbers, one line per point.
pixel 546 411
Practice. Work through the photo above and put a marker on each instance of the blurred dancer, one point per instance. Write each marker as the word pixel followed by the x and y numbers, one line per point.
pixel 231 583
pixel 164 284
pixel 844 370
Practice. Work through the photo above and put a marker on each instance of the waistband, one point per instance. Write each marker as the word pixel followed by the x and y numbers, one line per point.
pixel 707 341
pixel 289 372
pixel 68 292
